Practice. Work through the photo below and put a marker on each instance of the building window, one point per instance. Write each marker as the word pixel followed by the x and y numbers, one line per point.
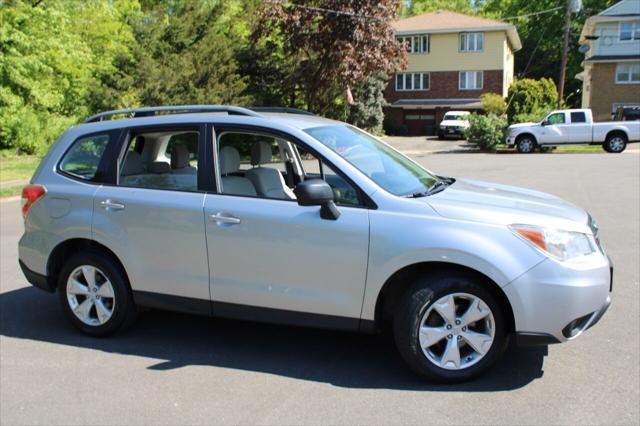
pixel 628 73
pixel 412 81
pixel 629 31
pixel 418 43
pixel 470 80
pixel 471 42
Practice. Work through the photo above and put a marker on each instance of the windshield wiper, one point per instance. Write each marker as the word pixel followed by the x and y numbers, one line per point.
pixel 438 186
pixel 417 194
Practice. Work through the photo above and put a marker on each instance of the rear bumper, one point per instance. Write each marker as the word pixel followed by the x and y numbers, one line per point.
pixel 37 280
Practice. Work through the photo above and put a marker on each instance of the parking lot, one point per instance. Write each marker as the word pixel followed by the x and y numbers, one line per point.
pixel 180 369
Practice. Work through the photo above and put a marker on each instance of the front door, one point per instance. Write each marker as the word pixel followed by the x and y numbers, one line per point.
pixel 266 251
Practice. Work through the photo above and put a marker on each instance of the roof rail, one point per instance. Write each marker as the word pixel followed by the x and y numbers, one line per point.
pixel 287 110
pixel 179 109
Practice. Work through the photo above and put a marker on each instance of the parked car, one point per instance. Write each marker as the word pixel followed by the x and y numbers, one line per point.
pixel 454 124
pixel 297 219
pixel 573 127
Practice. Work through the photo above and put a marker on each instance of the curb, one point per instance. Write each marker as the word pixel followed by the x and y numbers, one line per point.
pixel 9 199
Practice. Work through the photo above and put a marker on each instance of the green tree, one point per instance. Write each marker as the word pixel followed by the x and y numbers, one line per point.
pixel 542 37
pixel 52 53
pixel 493 103
pixel 368 112
pixel 531 99
pixel 186 54
pixel 486 131
pixel 417 7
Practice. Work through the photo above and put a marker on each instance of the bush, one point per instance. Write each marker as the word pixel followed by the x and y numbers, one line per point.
pixel 368 112
pixel 529 97
pixel 493 103
pixel 392 128
pixel 486 131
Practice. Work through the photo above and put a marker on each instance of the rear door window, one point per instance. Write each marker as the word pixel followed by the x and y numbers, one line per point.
pixel 82 160
pixel 578 117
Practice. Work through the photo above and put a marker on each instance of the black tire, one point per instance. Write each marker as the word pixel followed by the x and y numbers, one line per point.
pixel 419 297
pixel 440 135
pixel 615 143
pixel 124 310
pixel 526 144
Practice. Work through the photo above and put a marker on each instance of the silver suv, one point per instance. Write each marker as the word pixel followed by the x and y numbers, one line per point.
pixel 282 216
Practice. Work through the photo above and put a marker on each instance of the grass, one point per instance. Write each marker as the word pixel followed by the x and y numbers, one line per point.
pixel 11 191
pixel 17 167
pixel 565 149
pixel 580 148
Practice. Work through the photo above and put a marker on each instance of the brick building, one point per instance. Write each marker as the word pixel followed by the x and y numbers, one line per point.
pixel 611 75
pixel 453 59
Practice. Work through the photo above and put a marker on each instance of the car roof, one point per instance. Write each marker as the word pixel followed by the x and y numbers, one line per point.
pixel 263 119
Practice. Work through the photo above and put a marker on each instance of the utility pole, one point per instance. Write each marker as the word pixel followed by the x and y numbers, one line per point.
pixel 565 52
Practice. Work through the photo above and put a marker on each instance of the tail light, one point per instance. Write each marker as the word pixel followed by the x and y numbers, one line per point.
pixel 31 194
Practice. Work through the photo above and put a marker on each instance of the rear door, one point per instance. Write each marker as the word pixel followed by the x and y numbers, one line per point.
pixel 579 129
pixel 151 217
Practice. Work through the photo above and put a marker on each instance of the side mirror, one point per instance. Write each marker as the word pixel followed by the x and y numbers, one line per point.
pixel 545 122
pixel 316 192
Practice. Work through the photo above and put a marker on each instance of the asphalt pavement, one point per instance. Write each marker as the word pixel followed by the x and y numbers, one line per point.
pixel 181 369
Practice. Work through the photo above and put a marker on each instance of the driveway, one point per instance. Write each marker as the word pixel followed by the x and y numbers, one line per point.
pixel 179 369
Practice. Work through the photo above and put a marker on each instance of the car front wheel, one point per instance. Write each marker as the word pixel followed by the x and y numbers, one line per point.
pixel 449 328
pixel 526 145
pixel 95 295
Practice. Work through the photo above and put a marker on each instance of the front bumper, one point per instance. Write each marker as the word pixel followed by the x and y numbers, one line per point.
pixel 556 302
pixel 446 132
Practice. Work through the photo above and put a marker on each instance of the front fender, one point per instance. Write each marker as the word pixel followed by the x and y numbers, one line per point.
pixel 398 241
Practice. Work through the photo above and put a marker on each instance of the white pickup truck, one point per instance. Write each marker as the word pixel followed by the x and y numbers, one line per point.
pixel 573 127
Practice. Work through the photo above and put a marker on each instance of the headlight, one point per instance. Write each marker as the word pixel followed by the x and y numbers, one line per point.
pixel 562 245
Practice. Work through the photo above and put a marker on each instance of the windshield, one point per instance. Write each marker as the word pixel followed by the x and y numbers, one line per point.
pixel 391 170
pixel 454 117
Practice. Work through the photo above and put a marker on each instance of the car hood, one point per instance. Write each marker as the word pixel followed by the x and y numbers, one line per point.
pixel 459 123
pixel 502 204
pixel 515 126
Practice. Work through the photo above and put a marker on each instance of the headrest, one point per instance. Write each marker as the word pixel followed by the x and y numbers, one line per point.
pixel 229 160
pixel 179 157
pixel 132 164
pixel 160 167
pixel 261 153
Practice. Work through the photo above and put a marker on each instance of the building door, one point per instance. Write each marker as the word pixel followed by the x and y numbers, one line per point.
pixel 420 122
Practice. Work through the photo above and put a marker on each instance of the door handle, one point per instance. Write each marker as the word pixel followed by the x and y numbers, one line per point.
pixel 223 218
pixel 110 204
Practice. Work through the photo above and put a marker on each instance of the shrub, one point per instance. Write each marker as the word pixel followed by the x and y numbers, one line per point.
pixel 368 112
pixel 529 97
pixel 493 103
pixel 486 131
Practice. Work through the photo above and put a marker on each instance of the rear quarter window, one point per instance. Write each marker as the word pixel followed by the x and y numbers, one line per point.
pixel 578 117
pixel 83 158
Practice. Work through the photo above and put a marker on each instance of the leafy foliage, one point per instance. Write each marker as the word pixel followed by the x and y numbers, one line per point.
pixel 529 98
pixel 486 131
pixel 493 103
pixel 368 112
pixel 333 50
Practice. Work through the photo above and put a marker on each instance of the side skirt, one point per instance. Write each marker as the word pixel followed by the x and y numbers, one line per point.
pixel 250 313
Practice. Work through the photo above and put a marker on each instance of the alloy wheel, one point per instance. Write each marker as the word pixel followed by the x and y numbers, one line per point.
pixel 90 295
pixel 616 144
pixel 457 331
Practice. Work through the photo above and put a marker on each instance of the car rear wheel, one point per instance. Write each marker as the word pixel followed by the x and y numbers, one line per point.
pixel 526 144
pixel 615 143
pixel 449 328
pixel 95 295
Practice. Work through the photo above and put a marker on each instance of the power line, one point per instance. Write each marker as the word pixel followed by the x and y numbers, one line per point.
pixel 532 14
pixel 322 10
